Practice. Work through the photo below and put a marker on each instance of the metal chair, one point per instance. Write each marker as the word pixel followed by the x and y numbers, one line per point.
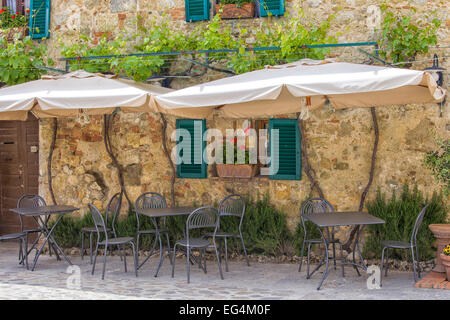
pixel 311 206
pixel 412 244
pixel 100 226
pixel 23 249
pixel 113 209
pixel 232 205
pixel 30 200
pixel 201 218
pixel 146 201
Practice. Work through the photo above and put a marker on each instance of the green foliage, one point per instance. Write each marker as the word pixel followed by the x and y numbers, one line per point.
pixel 400 214
pixel 439 162
pixel 264 228
pixel 244 152
pixel 161 37
pixel 403 37
pixel 238 3
pixel 19 59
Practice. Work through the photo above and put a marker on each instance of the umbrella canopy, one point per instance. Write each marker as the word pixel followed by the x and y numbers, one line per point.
pixel 277 89
pixel 70 94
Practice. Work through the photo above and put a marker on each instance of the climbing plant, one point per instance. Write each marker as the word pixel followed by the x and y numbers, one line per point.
pixel 439 163
pixel 404 36
pixel 20 59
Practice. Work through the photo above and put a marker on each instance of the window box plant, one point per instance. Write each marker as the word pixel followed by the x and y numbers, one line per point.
pixel 235 9
pixel 13 23
pixel 445 258
pixel 235 170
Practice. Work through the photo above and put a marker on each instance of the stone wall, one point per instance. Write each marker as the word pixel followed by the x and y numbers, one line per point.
pixel 340 142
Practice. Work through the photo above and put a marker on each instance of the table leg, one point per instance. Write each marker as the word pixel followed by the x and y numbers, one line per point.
pixel 325 273
pixel 49 237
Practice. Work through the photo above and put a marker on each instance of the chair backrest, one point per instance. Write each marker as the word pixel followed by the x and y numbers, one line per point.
pixel 316 205
pixel 417 224
pixel 149 200
pixel 113 209
pixel 204 217
pixel 232 205
pixel 99 222
pixel 29 200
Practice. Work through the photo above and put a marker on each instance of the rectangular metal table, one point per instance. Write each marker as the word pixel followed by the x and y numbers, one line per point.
pixel 155 213
pixel 324 220
pixel 37 213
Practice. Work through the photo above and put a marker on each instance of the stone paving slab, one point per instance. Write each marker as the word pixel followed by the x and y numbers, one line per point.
pixel 258 282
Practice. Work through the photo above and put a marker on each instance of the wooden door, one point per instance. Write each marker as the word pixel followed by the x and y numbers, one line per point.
pixel 19 169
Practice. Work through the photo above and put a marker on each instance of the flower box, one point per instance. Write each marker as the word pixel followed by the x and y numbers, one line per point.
pixel 236 170
pixel 232 11
pixel 10 33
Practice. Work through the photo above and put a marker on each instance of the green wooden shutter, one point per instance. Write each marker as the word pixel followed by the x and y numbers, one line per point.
pixel 275 7
pixel 197 10
pixel 289 160
pixel 193 170
pixel 39 18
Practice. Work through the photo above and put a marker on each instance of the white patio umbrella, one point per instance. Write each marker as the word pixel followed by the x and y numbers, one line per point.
pixel 277 90
pixel 74 93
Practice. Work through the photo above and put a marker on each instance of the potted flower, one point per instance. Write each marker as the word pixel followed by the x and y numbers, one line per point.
pixel 234 9
pixel 236 170
pixel 12 23
pixel 445 258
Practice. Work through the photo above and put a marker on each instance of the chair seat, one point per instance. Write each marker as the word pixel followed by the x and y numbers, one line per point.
pixel 396 244
pixel 121 240
pixel 152 231
pixel 321 241
pixel 194 243
pixel 32 230
pixel 220 234
pixel 12 236
pixel 89 229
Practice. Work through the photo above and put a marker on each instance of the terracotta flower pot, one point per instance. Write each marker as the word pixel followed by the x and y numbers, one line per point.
pixel 236 170
pixel 231 11
pixel 446 262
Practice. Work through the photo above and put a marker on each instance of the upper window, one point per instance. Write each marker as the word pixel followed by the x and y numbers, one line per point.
pixel 39 18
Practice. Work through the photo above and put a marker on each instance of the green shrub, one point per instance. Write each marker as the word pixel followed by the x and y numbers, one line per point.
pixel 264 228
pixel 400 214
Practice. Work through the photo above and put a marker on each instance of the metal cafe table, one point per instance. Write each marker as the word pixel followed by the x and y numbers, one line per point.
pixel 325 220
pixel 37 213
pixel 155 213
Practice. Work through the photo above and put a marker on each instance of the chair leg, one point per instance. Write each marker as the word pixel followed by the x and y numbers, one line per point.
pixel 168 247
pixel 226 254
pixel 95 258
pixel 104 261
pixel 308 260
pixel 334 254
pixel 125 257
pixel 418 262
pixel 90 246
pixel 414 264
pixel 137 247
pixel 204 260
pixel 301 256
pixel 218 261
pixel 82 245
pixel 342 260
pixel 134 258
pixel 188 265
pixel 26 250
pixel 245 250
pixel 173 260
pixel 387 262
pixel 381 266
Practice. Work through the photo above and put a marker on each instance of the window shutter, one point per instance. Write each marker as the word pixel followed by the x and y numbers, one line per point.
pixel 193 170
pixel 39 18
pixel 197 10
pixel 275 7
pixel 289 159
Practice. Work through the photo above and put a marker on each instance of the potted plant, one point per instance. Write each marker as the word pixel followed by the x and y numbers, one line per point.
pixel 13 23
pixel 445 258
pixel 234 9
pixel 235 170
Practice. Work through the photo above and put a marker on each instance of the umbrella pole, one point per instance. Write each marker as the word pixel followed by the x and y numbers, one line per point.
pixel 166 151
pixel 347 246
pixel 49 161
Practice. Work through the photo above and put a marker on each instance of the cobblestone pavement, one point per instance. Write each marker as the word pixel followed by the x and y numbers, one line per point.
pixel 259 281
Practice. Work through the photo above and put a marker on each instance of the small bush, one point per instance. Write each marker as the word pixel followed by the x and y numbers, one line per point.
pixel 400 215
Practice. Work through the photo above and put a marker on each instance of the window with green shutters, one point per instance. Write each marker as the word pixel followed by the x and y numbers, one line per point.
pixel 275 7
pixel 197 10
pixel 39 18
pixel 197 168
pixel 289 154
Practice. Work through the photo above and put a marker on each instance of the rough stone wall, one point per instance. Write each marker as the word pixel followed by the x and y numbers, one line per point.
pixel 340 142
